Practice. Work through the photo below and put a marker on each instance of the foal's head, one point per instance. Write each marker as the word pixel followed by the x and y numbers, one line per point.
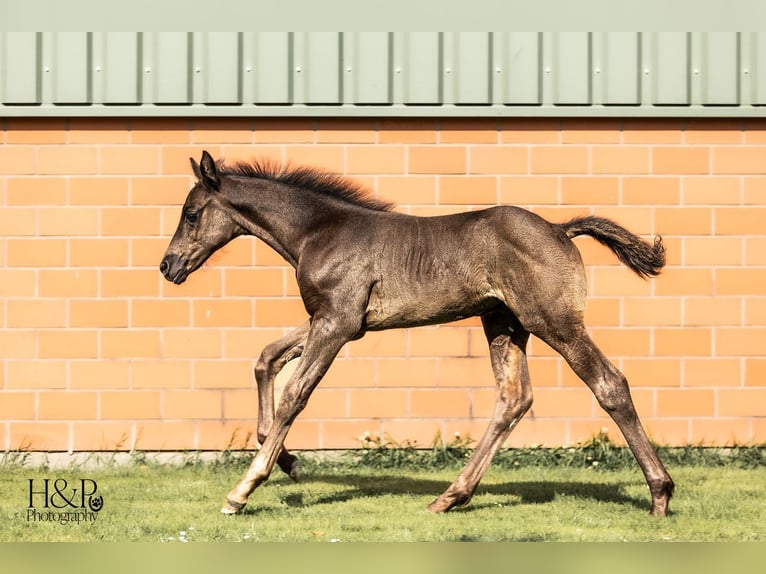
pixel 206 224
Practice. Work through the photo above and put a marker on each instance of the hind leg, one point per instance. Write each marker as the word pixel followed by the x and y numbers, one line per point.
pixel 610 387
pixel 273 358
pixel 507 342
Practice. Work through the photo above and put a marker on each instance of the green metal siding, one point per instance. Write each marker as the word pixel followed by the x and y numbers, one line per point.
pixel 379 73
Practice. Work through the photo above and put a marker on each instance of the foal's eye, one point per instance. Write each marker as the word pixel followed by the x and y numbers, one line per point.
pixel 192 217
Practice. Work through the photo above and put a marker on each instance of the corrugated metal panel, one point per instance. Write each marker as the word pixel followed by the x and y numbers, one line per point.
pixel 379 73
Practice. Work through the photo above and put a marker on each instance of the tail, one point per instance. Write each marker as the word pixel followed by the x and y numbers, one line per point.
pixel 644 258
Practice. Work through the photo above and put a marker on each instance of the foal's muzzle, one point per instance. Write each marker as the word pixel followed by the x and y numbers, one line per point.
pixel 174 269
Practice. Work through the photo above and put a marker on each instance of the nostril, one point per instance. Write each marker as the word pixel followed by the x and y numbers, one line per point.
pixel 164 266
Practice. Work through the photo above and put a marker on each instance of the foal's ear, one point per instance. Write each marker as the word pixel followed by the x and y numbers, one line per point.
pixel 195 168
pixel 209 172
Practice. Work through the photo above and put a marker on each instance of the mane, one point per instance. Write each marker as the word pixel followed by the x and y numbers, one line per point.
pixel 316 180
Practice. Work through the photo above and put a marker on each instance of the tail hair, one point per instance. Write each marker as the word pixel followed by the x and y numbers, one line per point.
pixel 644 258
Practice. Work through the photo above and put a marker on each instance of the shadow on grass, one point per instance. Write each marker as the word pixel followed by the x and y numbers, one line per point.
pixel 363 485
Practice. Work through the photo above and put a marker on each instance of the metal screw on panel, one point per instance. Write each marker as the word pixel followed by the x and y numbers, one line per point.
pixel 297 68
pixel 147 70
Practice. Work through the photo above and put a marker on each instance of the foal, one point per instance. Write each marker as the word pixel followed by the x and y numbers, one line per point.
pixel 361 267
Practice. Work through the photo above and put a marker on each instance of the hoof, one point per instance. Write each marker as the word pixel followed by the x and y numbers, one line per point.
pixel 232 507
pixel 296 472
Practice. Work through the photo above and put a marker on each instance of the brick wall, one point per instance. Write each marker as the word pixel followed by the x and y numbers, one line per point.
pixel 99 352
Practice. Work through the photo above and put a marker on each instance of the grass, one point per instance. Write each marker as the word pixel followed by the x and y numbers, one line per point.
pixel 590 493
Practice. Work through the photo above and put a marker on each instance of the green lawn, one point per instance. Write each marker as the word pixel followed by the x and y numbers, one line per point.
pixel 347 502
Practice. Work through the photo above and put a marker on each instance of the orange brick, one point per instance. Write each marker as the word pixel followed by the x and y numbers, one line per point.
pixel 205 282
pixel 468 130
pixel 740 221
pixel 174 159
pixel 127 405
pixel 407 131
pixel 538 432
pixel 668 430
pixel 45 436
pixel 653 372
pixel 620 159
pixel 166 435
pixel 398 372
pixel 17 405
pixel 239 252
pixel 754 190
pixel 350 373
pixel 36 252
pixel 629 342
pixel 755 311
pixel 712 372
pixel 101 252
pixel 325 157
pixel 18 344
pixel 685 402
pixel 159 190
pixel 60 405
pixel 160 313
pixel 98 313
pixel 711 190
pixel 17 160
pixel 465 372
pixel 684 281
pixel 590 130
pixel 36 131
pixel 67 160
pixel 378 403
pixel 220 435
pixel 147 251
pixel 638 220
pixel 254 282
pixel 36 313
pixel 130 221
pixel 610 281
pixel 99 374
pixel 544 371
pixel 713 131
pixel 284 312
pixel 334 434
pixel 649 311
pixel 163 373
pixel 528 131
pixel 191 343
pixel 755 250
pixel 240 404
pixel 98 130
pixel 247 343
pixel 712 311
pixel 739 159
pixel 18 221
pixel 407 190
pixel 602 311
pixel 720 432
pixel 37 190
pixel 740 341
pixel 121 343
pixel 160 130
pixel 439 403
pixel 223 374
pixel 547 159
pixel 326 403
pixel 651 190
pixel 223 313
pixel 589 190
pixel 68 344
pixel 468 190
pixel 498 159
pixel 420 432
pixel 340 130
pixel 713 251
pixel 99 190
pixel 68 283
pixel 680 160
pixel 130 282
pixel 684 220
pixel 740 281
pixel 525 190
pixel 683 342
pixel 375 159
pixel 188 404
pixel 563 402
pixel 222 130
pixel 438 341
pixel 755 372
pixel 741 402
pixel 102 436
pixel 434 159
